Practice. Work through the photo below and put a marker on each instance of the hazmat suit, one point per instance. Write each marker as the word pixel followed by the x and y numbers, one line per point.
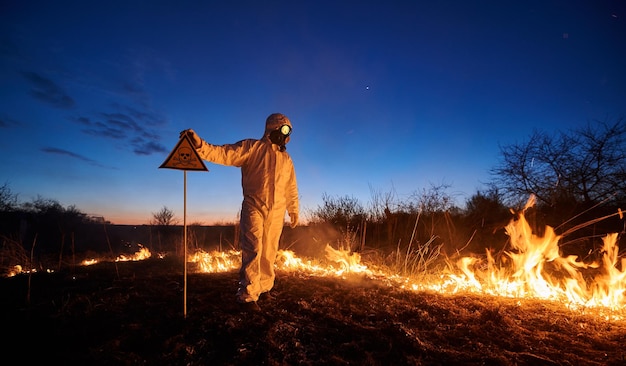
pixel 269 186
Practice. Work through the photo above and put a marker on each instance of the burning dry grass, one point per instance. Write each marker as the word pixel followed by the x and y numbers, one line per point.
pixel 530 306
pixel 95 317
pixel 532 269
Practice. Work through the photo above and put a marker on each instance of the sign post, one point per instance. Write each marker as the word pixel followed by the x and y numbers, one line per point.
pixel 184 157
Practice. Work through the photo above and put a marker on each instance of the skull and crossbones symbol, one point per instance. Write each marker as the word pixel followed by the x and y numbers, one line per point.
pixel 184 156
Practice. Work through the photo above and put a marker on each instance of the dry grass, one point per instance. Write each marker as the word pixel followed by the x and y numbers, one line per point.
pixel 93 317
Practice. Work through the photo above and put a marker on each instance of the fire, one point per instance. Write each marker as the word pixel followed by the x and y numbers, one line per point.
pixel 286 260
pixel 89 262
pixel 216 261
pixel 342 262
pixel 18 269
pixel 610 285
pixel 534 268
pixel 348 263
pixel 143 253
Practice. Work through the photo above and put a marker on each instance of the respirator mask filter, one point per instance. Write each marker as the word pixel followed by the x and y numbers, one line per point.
pixel 279 136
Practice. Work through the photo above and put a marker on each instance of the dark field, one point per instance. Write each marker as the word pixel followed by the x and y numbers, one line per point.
pixel 131 313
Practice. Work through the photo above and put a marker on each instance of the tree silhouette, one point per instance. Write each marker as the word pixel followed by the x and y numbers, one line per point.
pixel 164 217
pixel 576 169
pixel 165 222
pixel 8 200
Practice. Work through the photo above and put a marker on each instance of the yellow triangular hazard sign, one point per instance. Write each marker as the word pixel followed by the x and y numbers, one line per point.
pixel 184 157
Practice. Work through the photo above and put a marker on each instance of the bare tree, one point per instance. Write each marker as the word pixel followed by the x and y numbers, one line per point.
pixel 585 166
pixel 8 200
pixel 164 217
pixel 167 236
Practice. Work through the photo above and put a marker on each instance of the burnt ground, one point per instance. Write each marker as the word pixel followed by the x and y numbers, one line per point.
pixel 131 313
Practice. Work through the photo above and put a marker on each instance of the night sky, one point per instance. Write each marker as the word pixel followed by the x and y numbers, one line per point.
pixel 384 96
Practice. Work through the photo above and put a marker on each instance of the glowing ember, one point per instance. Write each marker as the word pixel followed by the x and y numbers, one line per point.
pixel 17 269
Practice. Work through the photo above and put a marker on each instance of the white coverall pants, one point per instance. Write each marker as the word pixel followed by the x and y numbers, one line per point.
pixel 261 230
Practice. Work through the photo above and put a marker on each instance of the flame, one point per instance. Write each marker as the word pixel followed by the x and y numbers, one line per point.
pixel 89 262
pixel 17 269
pixel 348 263
pixel 216 261
pixel 534 268
pixel 143 253
pixel 610 284
pixel 286 260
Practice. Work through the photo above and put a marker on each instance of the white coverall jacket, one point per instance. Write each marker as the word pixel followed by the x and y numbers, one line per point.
pixel 269 187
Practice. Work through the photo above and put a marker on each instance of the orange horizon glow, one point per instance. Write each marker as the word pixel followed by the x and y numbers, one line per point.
pixel 139 219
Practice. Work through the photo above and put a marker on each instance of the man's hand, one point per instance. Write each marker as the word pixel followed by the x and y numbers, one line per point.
pixel 293 217
pixel 193 136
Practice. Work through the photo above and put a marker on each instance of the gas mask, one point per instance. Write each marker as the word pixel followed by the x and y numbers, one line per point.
pixel 279 136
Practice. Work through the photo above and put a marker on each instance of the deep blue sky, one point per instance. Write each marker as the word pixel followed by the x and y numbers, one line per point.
pixel 383 96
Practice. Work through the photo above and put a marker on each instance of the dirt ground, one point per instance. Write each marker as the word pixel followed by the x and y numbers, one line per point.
pixel 131 313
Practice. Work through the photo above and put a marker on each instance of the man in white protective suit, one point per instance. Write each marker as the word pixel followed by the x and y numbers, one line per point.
pixel 269 185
